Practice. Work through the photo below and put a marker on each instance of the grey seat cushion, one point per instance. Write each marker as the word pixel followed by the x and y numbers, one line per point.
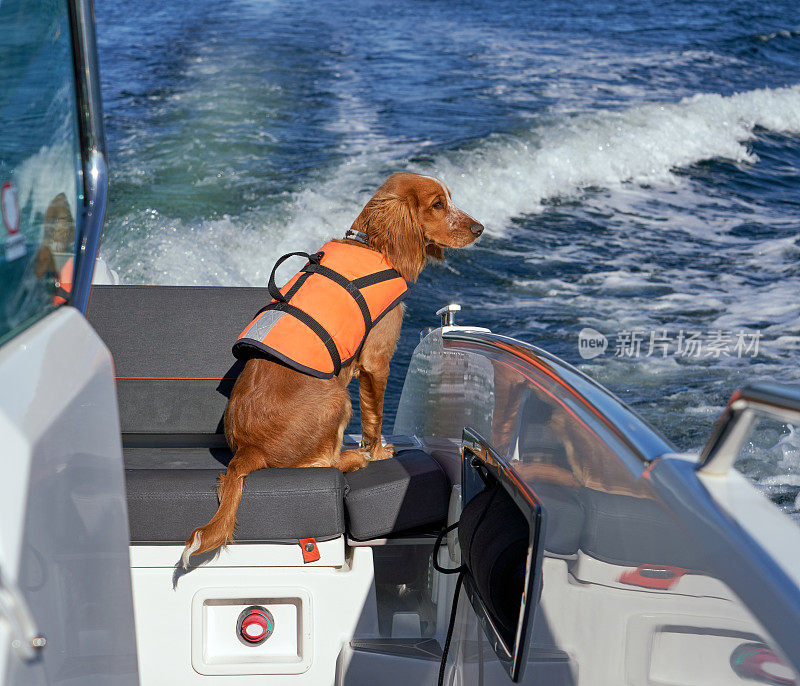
pixel 158 457
pixel 387 497
pixel 166 505
pixel 565 517
pixel 629 531
pixel 172 352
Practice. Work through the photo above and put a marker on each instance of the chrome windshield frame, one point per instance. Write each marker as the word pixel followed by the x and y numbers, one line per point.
pixel 637 434
pixel 734 425
pixel 94 171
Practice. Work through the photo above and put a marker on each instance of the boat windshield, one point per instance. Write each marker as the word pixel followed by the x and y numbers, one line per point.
pixel 39 159
pixel 770 457
pixel 627 537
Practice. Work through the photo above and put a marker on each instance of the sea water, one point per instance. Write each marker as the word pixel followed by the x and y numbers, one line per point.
pixel 636 165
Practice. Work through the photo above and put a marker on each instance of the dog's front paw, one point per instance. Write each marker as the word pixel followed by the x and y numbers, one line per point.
pixel 381 452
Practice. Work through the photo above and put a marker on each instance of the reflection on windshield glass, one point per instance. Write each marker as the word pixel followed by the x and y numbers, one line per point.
pixel 39 159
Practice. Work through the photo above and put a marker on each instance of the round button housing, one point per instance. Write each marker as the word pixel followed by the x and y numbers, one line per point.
pixel 759 662
pixel 255 625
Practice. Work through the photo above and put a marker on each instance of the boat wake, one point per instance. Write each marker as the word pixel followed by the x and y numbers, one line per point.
pixel 497 179
pixel 512 175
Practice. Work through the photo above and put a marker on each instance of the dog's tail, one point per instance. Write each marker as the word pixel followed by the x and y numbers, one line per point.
pixel 219 531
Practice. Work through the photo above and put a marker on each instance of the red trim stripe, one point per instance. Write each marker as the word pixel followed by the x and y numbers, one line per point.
pixel 175 378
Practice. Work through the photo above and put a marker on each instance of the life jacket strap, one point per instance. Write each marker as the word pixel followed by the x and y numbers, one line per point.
pixel 62 293
pixel 316 327
pixel 345 283
pixel 274 291
pixel 377 277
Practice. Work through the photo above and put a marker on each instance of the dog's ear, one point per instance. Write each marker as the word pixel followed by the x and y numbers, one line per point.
pixel 392 227
pixel 434 251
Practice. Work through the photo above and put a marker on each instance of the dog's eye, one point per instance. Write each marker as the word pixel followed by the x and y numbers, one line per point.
pixel 438 205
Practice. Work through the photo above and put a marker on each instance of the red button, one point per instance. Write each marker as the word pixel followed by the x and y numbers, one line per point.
pixel 254 627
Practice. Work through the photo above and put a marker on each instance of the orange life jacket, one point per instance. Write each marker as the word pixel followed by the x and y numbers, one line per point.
pixel 318 321
pixel 64 284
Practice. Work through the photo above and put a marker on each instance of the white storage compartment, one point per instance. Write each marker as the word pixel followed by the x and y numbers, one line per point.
pixel 216 644
pixel 186 621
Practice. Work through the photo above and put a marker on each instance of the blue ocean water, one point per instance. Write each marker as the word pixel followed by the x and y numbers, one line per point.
pixel 635 164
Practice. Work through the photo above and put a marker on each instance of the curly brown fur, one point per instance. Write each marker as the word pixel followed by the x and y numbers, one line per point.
pixel 279 417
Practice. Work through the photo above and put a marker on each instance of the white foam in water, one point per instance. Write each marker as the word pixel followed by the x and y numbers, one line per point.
pixel 501 178
pixel 507 177
pixel 239 251
pixel 775 464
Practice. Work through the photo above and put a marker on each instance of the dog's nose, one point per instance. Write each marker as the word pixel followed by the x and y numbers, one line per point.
pixel 477 229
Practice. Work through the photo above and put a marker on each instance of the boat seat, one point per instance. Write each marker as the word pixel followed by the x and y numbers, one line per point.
pixel 166 505
pixel 629 531
pixel 385 498
pixel 565 517
pixel 390 496
pixel 174 370
pixel 184 457
pixel 172 357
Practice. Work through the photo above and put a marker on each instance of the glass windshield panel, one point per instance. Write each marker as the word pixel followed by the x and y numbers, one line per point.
pixel 39 160
pixel 526 415
pixel 627 578
pixel 770 457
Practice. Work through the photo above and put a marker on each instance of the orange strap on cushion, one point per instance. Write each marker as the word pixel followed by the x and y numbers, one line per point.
pixel 309 548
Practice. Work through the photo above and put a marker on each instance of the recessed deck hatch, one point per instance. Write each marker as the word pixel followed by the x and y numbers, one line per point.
pixel 217 648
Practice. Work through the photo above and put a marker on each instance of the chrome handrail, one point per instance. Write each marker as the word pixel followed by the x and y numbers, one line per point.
pixel 93 149
pixel 636 433
pixel 734 425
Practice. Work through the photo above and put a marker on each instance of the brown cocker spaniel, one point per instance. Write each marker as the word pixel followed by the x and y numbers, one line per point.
pixel 409 218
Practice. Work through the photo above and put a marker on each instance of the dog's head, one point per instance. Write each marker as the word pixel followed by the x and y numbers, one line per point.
pixel 412 217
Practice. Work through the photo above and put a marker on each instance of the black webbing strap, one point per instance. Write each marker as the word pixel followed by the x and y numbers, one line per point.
pixel 316 327
pixel 297 284
pixel 349 286
pixel 460 570
pixel 377 277
pixel 274 291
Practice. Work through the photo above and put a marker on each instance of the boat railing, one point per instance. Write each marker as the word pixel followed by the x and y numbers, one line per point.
pixel 94 170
